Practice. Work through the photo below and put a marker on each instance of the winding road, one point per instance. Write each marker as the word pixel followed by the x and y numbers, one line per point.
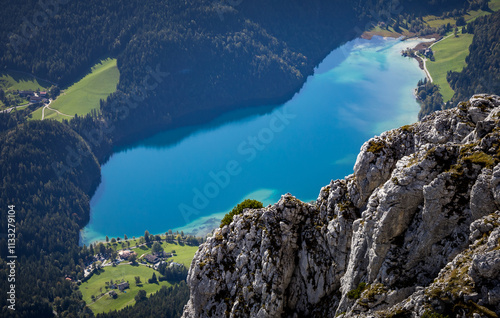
pixel 8 110
pixel 424 59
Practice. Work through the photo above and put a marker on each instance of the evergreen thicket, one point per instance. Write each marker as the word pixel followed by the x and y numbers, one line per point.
pixel 49 213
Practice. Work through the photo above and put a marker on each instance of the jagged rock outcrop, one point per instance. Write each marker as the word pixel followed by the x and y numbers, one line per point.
pixel 413 232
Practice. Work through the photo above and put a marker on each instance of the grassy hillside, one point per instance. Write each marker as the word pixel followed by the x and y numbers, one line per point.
pixel 450 55
pixel 96 284
pixel 125 272
pixel 37 114
pixel 84 95
pixel 13 81
pixel 183 253
pixel 20 81
pixel 495 5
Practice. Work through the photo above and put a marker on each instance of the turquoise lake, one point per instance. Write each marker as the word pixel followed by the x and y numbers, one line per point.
pixel 178 179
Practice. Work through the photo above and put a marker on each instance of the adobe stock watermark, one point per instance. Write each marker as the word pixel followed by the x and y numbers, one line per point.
pixel 45 10
pixel 121 108
pixel 248 150
pixel 220 5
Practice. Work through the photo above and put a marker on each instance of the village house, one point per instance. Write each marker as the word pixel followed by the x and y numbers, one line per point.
pixel 42 94
pixel 125 254
pixel 426 52
pixel 156 257
pixel 25 93
pixel 123 286
pixel 151 258
pixel 36 99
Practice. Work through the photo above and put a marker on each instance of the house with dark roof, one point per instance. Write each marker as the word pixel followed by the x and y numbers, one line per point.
pixel 123 285
pixel 36 99
pixel 151 258
pixel 25 93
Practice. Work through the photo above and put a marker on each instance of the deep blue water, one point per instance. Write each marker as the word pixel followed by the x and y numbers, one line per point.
pixel 180 176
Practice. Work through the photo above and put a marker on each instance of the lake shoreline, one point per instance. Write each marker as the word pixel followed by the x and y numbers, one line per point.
pixel 178 169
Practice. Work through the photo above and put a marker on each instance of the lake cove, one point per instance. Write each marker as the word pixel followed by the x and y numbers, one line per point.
pixel 188 178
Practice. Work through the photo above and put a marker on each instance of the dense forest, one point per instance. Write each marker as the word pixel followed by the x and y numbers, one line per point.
pixel 185 62
pixel 49 213
pixel 179 62
pixel 429 97
pixel 482 73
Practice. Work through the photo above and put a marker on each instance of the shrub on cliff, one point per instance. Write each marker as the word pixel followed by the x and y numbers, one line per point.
pixel 246 204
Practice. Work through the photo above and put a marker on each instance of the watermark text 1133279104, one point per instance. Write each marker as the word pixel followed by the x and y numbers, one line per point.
pixel 11 257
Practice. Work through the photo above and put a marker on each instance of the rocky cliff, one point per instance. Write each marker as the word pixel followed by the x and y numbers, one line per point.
pixel 414 232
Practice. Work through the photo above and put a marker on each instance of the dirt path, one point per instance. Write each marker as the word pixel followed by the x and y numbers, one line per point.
pixel 47 106
pixel 424 59
pixel 429 77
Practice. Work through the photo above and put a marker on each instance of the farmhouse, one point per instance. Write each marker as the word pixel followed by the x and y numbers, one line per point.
pixel 125 254
pixel 156 257
pixel 25 93
pixel 151 258
pixel 123 285
pixel 36 99
pixel 426 52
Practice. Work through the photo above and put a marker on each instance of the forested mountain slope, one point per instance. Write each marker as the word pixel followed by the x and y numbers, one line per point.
pixel 482 73
pixel 218 55
pixel 49 212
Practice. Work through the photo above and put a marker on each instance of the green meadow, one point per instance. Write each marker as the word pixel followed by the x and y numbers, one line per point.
pixel 97 285
pixel 84 95
pixel 12 80
pixel 183 253
pixel 449 55
pixel 37 114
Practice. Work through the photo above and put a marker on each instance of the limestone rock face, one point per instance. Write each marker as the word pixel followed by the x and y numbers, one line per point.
pixel 414 231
